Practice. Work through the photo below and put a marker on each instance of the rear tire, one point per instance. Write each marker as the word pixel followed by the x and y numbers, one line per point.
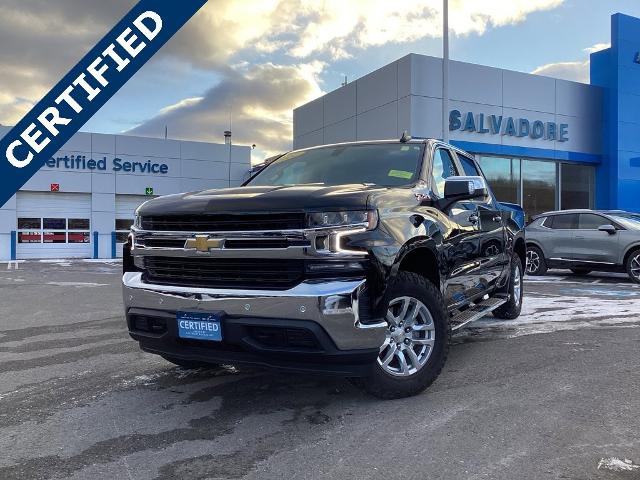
pixel 581 271
pixel 512 308
pixel 536 264
pixel 421 327
pixel 633 266
pixel 188 364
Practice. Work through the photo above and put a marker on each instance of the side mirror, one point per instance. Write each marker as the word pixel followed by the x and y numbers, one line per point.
pixel 610 229
pixel 465 188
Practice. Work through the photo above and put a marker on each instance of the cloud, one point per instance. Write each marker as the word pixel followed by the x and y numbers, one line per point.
pixel 576 71
pixel 597 47
pixel 259 99
pixel 339 28
pixel 40 40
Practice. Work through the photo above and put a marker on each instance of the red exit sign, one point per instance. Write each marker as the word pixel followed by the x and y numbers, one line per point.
pixel 55 187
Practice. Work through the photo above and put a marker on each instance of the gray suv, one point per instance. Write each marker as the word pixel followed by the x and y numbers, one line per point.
pixel 583 241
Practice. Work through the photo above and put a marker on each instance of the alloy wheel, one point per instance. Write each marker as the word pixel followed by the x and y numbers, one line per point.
pixel 634 266
pixel 517 285
pixel 410 337
pixel 533 261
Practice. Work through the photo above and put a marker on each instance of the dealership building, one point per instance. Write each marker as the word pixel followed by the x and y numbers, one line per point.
pixel 81 203
pixel 542 142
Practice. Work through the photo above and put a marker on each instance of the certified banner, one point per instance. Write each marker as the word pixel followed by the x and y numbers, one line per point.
pixel 88 86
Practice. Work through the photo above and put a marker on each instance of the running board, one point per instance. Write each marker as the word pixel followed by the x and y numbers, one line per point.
pixel 476 311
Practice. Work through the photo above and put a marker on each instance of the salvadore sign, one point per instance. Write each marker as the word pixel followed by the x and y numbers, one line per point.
pixel 508 126
pixel 82 91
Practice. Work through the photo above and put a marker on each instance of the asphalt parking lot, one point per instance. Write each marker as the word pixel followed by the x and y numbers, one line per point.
pixel 553 394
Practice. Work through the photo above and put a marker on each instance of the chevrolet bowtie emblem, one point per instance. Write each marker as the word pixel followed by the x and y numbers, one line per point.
pixel 202 243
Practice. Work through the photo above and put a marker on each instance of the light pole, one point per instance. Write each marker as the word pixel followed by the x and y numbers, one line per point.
pixel 227 141
pixel 445 70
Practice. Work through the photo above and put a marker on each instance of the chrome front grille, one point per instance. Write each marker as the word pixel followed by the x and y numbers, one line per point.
pixel 177 241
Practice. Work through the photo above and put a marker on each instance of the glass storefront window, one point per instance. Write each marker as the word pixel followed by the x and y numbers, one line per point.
pixel 576 186
pixel 503 174
pixel 534 184
pixel 539 182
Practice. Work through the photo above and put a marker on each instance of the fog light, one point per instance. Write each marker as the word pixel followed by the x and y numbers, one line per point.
pixel 337 305
pixel 335 267
pixel 322 242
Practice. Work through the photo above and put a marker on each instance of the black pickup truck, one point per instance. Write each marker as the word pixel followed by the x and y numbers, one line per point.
pixel 356 259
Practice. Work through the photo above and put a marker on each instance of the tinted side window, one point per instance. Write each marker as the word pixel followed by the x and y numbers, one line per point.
pixel 590 221
pixel 563 222
pixel 443 168
pixel 468 166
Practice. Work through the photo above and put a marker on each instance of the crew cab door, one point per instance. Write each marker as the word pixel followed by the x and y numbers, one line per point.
pixel 463 236
pixel 591 245
pixel 493 252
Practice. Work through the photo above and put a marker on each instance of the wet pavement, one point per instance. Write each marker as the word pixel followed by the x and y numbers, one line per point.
pixel 552 394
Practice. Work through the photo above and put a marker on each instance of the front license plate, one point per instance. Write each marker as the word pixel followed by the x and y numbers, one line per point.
pixel 199 326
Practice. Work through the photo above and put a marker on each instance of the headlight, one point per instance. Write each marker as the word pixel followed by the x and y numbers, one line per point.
pixel 364 218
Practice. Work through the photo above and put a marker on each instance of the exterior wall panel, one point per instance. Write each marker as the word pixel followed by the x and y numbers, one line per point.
pixel 380 122
pixel 377 89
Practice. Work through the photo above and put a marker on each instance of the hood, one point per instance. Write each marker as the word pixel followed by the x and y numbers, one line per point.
pixel 258 199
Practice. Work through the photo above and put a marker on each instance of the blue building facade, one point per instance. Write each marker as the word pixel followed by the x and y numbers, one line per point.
pixel 617 71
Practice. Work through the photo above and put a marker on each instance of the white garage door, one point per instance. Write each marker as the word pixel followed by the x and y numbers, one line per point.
pixel 125 208
pixel 54 225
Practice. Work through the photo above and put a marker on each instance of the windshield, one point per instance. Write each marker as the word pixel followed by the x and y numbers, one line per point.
pixel 628 220
pixel 384 164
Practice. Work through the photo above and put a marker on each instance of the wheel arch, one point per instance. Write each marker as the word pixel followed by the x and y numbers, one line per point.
pixel 535 243
pixel 521 250
pixel 420 257
pixel 631 249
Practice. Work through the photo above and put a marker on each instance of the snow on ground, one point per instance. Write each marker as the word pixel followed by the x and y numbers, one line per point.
pixel 616 465
pixel 78 284
pixel 573 307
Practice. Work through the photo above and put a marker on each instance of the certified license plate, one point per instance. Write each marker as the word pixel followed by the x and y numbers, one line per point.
pixel 199 326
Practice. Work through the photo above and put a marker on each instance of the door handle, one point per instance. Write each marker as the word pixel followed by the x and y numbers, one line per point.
pixel 497 218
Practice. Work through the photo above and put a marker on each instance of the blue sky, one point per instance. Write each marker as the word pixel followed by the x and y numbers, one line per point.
pixel 258 59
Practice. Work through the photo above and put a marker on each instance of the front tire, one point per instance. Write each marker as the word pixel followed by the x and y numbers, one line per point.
pixel 633 266
pixel 513 307
pixel 536 264
pixel 417 342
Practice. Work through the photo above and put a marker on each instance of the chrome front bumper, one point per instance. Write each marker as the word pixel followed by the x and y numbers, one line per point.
pixel 331 304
